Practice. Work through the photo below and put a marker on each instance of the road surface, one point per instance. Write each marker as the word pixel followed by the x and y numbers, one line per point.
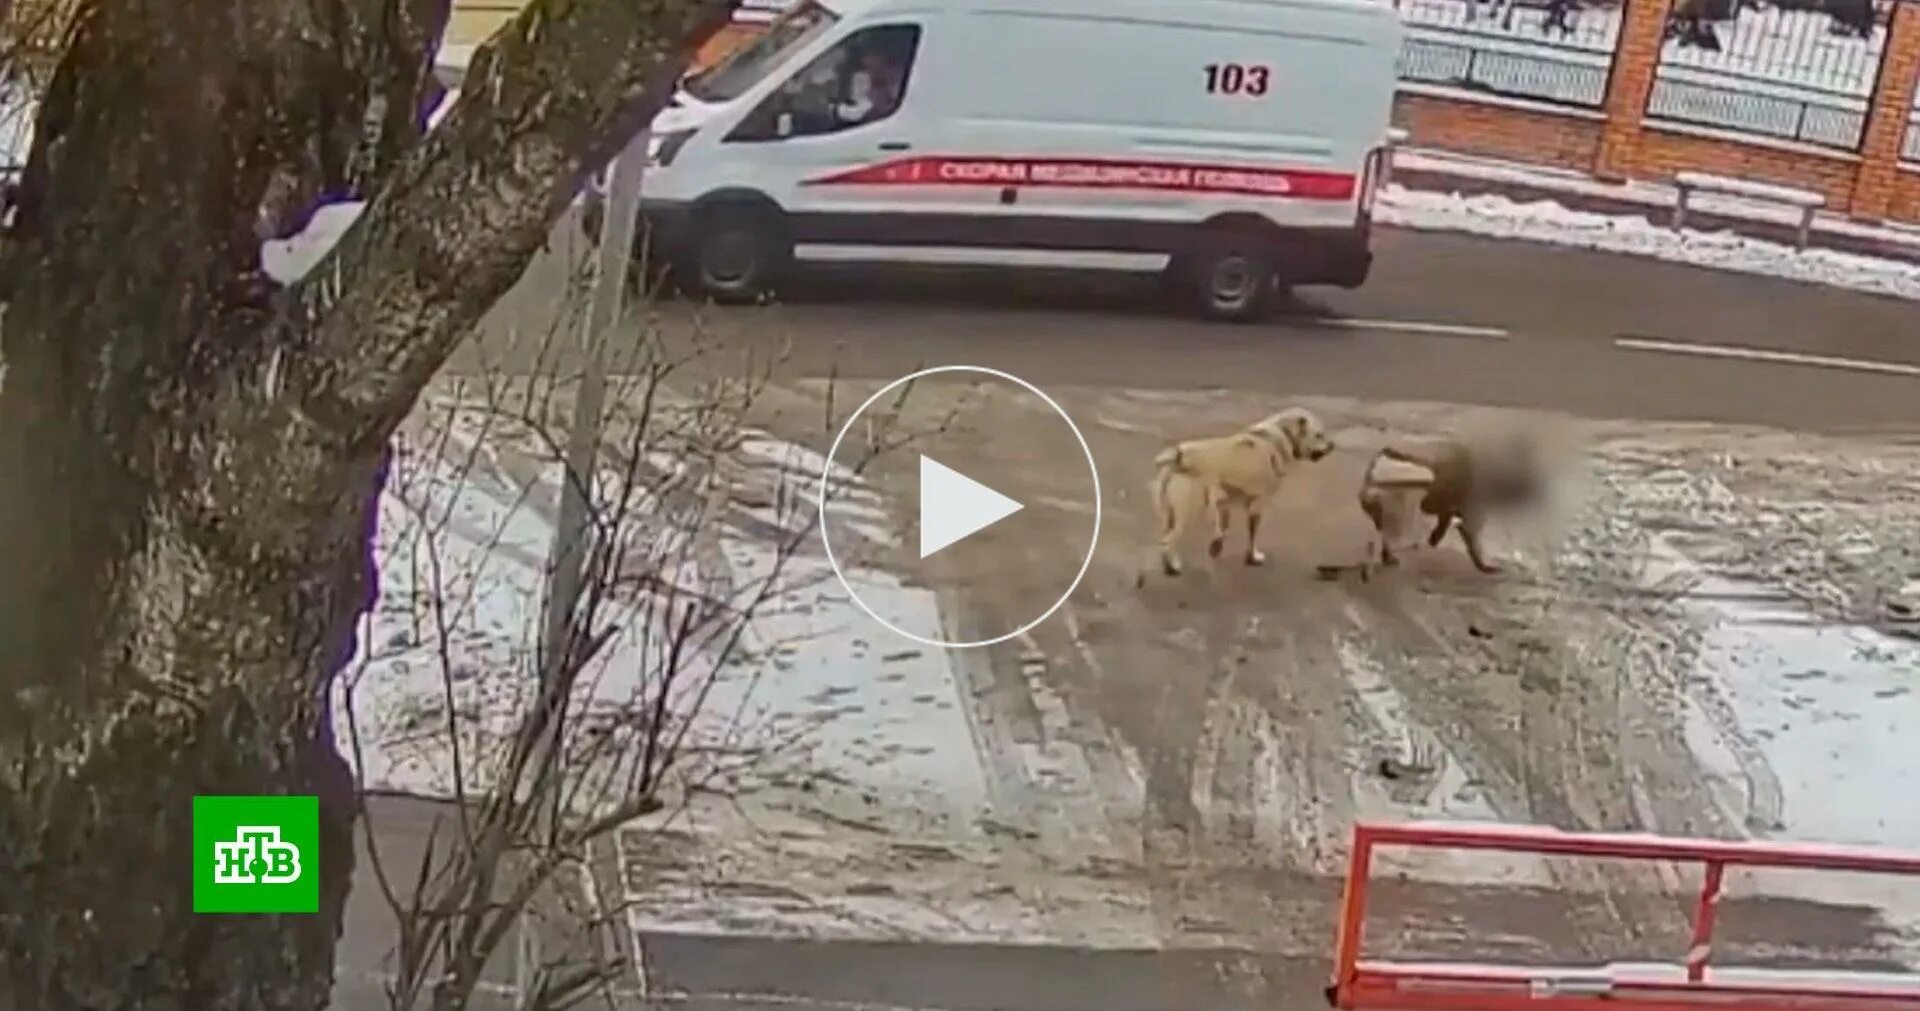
pixel 1562 310
pixel 1447 319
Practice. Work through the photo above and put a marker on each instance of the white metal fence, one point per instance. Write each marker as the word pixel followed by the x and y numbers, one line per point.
pixel 1557 51
pixel 1799 70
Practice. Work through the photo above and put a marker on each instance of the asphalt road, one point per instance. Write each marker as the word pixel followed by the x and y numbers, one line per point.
pixel 1559 313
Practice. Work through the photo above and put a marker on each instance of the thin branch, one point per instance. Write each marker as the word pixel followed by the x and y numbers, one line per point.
pixel 548 101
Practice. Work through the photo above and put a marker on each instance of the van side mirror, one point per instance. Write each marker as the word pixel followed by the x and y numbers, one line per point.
pixel 783 125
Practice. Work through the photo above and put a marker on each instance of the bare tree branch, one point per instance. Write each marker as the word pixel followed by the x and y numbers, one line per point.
pixel 546 103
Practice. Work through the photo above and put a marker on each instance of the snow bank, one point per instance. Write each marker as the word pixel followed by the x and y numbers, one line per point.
pixel 1501 217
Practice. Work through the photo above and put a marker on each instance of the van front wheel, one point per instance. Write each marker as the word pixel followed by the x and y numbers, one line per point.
pixel 1233 282
pixel 737 257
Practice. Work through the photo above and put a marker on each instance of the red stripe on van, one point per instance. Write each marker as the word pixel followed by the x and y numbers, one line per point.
pixel 1093 173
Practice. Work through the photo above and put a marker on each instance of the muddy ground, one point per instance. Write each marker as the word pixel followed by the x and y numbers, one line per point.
pixel 1182 764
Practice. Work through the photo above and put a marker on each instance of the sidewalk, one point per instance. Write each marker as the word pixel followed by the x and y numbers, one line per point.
pixel 1469 175
pixel 692 972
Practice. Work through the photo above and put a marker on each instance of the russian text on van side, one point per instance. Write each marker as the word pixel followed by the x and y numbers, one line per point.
pixel 1250 79
pixel 1113 174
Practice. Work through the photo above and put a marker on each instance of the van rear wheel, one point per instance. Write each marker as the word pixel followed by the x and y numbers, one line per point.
pixel 737 257
pixel 1233 281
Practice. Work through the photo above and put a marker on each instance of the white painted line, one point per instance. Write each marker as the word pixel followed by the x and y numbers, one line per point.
pixel 1766 355
pixel 1410 326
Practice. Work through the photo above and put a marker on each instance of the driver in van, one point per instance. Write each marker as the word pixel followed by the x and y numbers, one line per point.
pixel 874 89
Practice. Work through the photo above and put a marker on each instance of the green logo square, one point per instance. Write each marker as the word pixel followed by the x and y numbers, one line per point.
pixel 256 854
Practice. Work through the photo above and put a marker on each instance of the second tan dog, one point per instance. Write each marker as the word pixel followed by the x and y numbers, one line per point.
pixel 1452 479
pixel 1219 475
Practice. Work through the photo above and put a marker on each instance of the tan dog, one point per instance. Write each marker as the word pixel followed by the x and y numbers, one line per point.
pixel 1451 479
pixel 1240 471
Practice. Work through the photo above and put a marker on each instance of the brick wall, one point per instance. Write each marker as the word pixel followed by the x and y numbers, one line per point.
pixel 1904 202
pixel 1659 153
pixel 1619 143
pixel 1509 131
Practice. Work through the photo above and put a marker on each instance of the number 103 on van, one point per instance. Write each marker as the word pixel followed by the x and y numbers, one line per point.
pixel 1249 79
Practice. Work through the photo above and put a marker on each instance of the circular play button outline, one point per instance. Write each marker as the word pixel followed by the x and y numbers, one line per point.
pixel 826 478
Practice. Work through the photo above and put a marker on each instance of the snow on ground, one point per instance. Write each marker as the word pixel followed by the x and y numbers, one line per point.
pixel 1777 557
pixel 850 860
pixel 17 111
pixel 1803 728
pixel 1657 197
pixel 1828 705
pixel 1501 217
pixel 842 783
pixel 821 745
pixel 287 260
pixel 16 137
pixel 464 541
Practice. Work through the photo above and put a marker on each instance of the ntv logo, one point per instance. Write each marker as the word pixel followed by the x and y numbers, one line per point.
pixel 256 856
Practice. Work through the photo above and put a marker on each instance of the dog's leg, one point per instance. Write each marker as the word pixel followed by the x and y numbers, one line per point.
pixel 1470 530
pixel 1222 519
pixel 1173 522
pixel 1440 528
pixel 1255 556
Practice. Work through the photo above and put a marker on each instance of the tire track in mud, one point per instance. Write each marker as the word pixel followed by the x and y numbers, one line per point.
pixel 1279 725
pixel 1603 706
pixel 1239 782
pixel 1513 785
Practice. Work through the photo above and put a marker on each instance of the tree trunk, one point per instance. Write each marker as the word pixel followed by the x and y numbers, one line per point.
pixel 190 457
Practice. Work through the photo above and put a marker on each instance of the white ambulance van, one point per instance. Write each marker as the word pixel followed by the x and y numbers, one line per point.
pixel 1232 145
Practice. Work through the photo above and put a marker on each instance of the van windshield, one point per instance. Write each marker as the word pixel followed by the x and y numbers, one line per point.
pixel 744 67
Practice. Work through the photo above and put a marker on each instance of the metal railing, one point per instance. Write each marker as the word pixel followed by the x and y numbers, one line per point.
pixel 1784 69
pixel 1364 984
pixel 1558 51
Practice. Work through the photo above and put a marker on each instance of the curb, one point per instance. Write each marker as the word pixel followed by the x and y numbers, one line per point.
pixel 1441 181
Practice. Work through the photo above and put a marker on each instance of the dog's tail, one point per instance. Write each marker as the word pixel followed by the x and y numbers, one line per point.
pixel 1167 463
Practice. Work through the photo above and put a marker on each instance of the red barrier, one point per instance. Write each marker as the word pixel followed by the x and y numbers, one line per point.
pixel 1361 984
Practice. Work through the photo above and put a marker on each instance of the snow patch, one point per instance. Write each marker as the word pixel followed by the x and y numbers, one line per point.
pixel 804 693
pixel 1825 710
pixel 290 259
pixel 17 111
pixel 1502 217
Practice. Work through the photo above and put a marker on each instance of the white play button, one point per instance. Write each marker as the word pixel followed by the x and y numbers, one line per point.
pixel 953 506
pixel 946 598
